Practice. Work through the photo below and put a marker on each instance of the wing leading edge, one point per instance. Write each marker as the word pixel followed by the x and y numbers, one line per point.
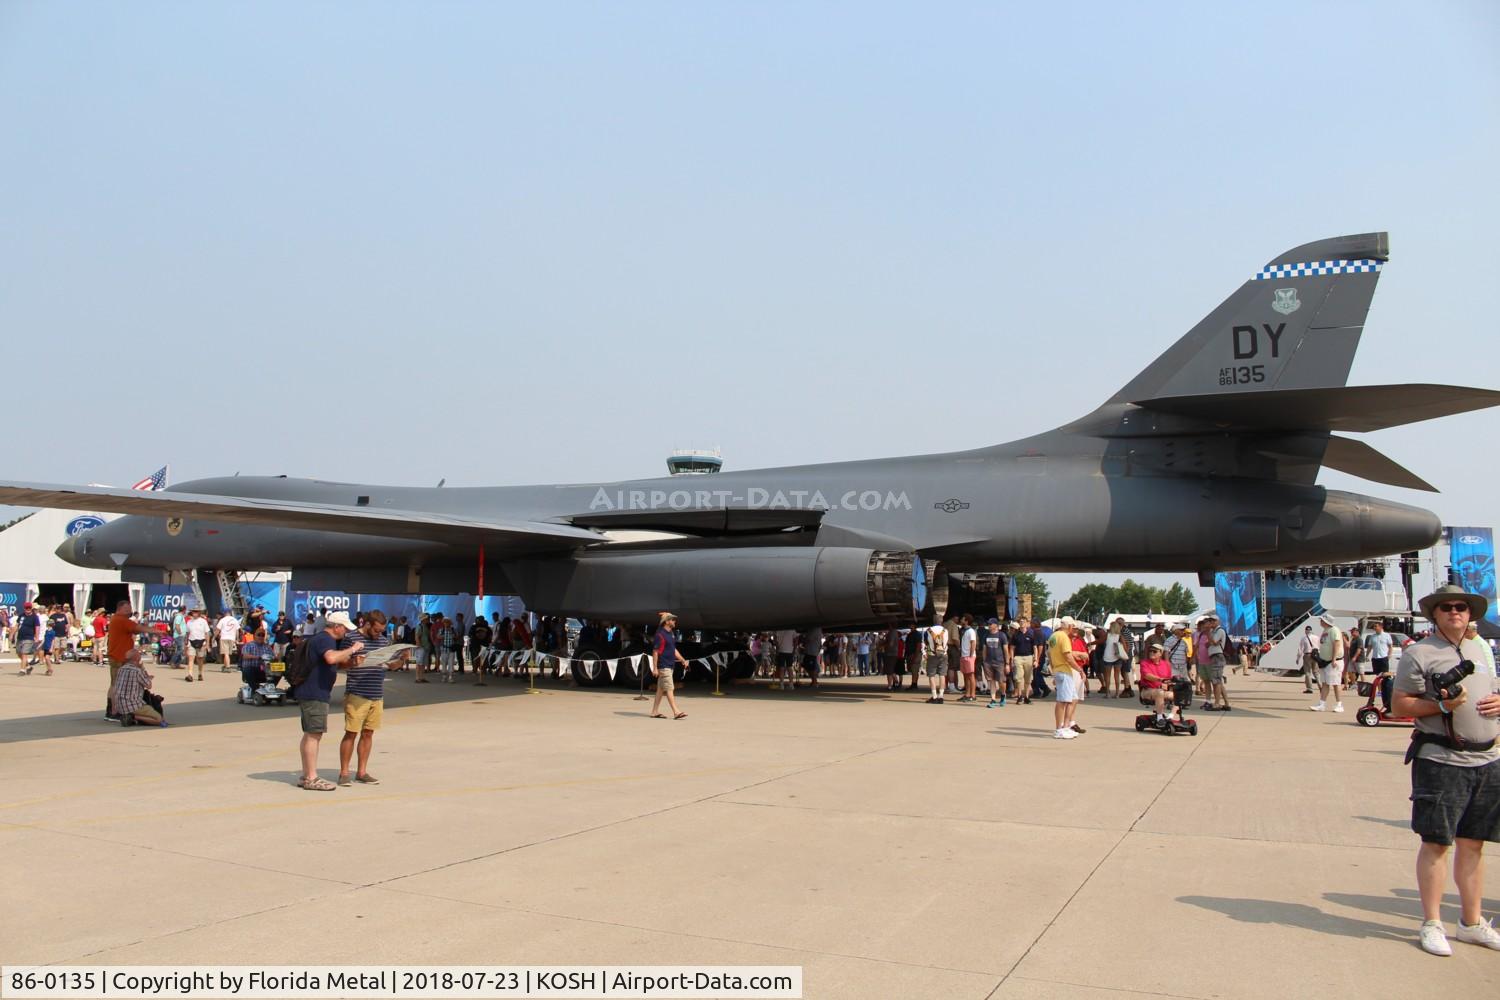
pixel 420 525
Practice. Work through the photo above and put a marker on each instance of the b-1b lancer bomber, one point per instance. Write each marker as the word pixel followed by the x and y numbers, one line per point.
pixel 1206 460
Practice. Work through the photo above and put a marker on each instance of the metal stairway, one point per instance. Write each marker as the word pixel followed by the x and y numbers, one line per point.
pixel 230 592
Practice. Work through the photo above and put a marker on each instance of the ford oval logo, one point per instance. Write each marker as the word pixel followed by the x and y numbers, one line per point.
pixel 81 524
pixel 1307 584
pixel 1472 539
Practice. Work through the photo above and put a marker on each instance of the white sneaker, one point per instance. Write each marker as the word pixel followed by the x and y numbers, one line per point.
pixel 1434 941
pixel 1339 707
pixel 1481 933
pixel 1316 708
pixel 1065 734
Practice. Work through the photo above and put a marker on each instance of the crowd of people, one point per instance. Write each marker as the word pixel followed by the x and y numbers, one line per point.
pixel 1009 662
pixel 1445 684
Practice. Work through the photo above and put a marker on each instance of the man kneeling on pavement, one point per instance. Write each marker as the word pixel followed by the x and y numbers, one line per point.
pixel 131 697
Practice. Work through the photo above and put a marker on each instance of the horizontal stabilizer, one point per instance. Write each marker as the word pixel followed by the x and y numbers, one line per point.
pixel 422 525
pixel 1333 408
pixel 1358 459
pixel 716 521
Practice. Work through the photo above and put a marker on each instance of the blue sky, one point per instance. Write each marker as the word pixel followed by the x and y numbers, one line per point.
pixel 405 242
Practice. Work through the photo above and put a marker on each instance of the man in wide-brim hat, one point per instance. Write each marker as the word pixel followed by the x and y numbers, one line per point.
pixel 1455 760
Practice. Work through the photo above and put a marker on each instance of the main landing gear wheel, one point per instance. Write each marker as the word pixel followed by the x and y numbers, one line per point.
pixel 588 668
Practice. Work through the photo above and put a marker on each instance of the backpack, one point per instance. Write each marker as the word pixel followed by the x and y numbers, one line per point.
pixel 300 664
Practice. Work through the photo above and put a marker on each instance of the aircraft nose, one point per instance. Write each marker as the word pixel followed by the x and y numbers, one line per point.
pixel 65 551
pixel 1395 527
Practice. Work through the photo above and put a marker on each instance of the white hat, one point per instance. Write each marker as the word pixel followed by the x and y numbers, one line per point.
pixel 340 618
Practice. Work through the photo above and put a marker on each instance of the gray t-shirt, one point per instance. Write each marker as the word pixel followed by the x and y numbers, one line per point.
pixel 1437 655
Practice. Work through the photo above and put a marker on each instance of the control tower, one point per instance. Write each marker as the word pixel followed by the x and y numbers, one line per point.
pixel 694 462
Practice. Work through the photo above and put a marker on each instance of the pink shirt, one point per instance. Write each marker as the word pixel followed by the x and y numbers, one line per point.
pixel 1155 673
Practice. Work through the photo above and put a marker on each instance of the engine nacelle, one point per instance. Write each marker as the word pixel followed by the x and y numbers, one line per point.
pixel 733 588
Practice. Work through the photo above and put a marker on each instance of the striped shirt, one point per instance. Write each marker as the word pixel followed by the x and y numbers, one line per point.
pixel 367 682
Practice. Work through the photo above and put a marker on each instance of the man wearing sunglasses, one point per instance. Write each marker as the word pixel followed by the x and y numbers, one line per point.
pixel 1455 765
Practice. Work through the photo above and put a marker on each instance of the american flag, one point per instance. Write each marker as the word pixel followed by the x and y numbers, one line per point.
pixel 156 481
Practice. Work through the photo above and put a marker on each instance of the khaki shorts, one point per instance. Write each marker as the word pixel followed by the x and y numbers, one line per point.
pixel 664 682
pixel 362 713
pixel 314 716
pixel 148 715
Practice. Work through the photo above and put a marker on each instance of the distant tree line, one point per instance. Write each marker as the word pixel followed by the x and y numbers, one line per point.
pixel 1129 598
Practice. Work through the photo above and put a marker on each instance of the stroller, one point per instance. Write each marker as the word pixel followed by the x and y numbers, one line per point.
pixel 164 648
pixel 1175 722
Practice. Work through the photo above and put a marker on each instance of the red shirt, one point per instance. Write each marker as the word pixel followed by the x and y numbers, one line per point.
pixel 121 629
pixel 1155 673
pixel 101 624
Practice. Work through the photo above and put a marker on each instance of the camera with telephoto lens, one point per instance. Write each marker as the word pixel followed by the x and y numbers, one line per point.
pixel 1449 684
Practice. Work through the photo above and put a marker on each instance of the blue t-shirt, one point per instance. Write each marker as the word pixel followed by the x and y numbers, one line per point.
pixel 319 683
pixel 666 649
pixel 994 646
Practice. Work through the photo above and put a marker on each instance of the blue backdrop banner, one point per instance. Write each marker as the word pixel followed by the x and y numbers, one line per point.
pixel 1471 556
pixel 508 606
pixel 12 596
pixel 1237 601
pixel 163 600
pixel 267 595
pixel 394 605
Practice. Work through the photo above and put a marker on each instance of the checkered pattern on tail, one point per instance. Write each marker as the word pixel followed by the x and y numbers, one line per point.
pixel 1316 267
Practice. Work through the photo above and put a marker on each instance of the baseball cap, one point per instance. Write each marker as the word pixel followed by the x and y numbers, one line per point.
pixel 1155 645
pixel 993 621
pixel 340 618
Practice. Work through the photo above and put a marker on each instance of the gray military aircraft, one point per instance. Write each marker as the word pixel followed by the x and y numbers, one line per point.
pixel 1206 460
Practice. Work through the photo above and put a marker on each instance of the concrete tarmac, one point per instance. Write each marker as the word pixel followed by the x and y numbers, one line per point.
pixel 889 847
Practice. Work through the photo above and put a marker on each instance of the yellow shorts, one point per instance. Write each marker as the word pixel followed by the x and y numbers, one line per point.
pixel 362 713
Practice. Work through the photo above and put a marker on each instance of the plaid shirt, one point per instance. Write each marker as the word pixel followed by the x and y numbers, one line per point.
pixel 254 655
pixel 445 638
pixel 130 682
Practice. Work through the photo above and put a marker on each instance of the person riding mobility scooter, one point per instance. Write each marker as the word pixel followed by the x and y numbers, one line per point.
pixel 1165 694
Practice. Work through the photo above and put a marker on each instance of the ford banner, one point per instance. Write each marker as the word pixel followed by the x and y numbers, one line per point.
pixel 12 596
pixel 1471 561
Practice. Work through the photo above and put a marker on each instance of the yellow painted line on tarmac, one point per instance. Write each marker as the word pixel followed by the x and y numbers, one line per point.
pixel 312 800
pixel 134 782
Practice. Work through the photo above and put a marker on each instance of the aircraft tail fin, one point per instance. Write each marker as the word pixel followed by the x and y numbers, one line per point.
pixel 1295 324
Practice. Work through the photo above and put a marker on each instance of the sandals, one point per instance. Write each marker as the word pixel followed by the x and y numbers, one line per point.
pixel 657 715
pixel 680 715
pixel 316 785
